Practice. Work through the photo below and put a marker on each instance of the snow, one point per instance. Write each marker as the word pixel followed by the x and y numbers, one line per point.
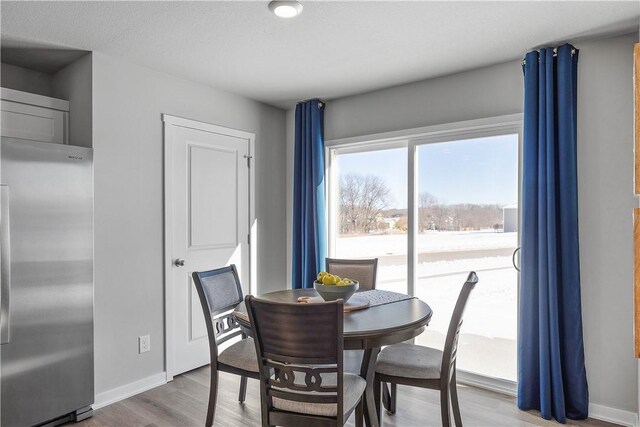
pixel 488 338
pixel 431 241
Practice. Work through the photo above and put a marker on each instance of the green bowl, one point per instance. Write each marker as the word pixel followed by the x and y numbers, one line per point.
pixel 334 292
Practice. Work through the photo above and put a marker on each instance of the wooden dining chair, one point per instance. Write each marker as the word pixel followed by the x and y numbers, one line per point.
pixel 426 367
pixel 220 292
pixel 302 378
pixel 362 270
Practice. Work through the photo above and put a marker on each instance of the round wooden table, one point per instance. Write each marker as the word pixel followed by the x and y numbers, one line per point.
pixel 367 330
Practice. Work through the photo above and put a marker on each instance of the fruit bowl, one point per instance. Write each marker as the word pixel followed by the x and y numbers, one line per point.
pixel 334 292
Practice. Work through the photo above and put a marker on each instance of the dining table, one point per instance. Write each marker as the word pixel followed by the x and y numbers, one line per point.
pixel 389 318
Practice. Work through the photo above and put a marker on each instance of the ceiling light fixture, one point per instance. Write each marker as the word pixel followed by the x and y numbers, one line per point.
pixel 285 8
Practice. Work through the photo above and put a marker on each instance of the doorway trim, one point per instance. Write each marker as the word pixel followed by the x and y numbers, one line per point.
pixel 168 122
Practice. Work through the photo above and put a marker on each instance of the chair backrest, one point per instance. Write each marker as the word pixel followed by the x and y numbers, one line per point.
pixel 453 333
pixel 220 292
pixel 362 270
pixel 297 345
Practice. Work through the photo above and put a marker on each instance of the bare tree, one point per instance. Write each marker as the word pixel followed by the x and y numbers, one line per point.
pixel 350 195
pixel 427 203
pixel 362 199
pixel 375 197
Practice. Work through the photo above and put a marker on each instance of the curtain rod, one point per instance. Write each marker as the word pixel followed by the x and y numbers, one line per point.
pixel 555 53
pixel 321 103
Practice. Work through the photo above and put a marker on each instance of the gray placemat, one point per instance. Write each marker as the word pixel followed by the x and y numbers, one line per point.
pixel 380 297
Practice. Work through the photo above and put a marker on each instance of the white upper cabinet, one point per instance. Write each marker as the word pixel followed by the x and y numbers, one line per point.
pixel 34 117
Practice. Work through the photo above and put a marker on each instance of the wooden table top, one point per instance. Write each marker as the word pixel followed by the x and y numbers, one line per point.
pixel 372 327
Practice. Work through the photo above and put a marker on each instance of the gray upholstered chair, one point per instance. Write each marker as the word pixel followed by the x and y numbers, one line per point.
pixel 362 270
pixel 426 367
pixel 220 292
pixel 302 378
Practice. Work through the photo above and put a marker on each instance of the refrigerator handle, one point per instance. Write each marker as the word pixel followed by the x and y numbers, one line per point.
pixel 5 265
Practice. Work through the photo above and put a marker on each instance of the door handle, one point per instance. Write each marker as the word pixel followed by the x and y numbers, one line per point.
pixel 179 262
pixel 513 258
pixel 5 266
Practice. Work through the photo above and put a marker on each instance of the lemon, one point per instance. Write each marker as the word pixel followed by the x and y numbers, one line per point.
pixel 321 275
pixel 340 283
pixel 328 279
pixel 347 281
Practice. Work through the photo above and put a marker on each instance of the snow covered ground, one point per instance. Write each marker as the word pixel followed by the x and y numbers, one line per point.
pixel 434 241
pixel 488 338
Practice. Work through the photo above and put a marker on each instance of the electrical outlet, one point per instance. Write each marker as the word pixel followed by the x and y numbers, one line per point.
pixel 144 344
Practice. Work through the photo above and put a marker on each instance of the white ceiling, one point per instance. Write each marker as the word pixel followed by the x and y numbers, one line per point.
pixel 333 49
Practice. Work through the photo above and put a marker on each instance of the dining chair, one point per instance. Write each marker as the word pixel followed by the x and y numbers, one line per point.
pixel 220 292
pixel 426 367
pixel 302 378
pixel 362 270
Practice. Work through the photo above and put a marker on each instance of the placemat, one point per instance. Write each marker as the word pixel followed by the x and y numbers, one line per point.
pixel 380 297
pixel 374 297
pixel 355 303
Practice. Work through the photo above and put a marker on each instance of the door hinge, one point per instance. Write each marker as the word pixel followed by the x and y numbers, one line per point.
pixel 248 160
pixel 248 239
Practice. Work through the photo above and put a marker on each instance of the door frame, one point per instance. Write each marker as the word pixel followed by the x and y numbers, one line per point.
pixel 168 122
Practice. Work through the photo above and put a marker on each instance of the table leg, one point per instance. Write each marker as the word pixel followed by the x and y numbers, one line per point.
pixel 367 371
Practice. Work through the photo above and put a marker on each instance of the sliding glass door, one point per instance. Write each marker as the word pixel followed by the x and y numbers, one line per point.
pixel 468 220
pixel 463 189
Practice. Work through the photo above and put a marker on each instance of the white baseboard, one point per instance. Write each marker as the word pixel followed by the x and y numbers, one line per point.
pixel 120 393
pixel 598 412
pixel 613 415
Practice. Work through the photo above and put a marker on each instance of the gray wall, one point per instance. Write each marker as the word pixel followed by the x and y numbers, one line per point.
pixel 128 101
pixel 605 167
pixel 73 83
pixel 18 78
pixel 606 202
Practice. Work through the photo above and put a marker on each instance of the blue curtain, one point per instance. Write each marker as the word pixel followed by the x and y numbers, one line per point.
pixel 551 371
pixel 309 222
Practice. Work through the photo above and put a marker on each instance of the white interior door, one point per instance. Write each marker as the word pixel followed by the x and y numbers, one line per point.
pixel 207 209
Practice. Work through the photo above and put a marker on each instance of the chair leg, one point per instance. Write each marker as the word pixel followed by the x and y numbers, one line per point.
pixel 360 414
pixel 394 397
pixel 242 395
pixel 445 405
pixel 389 397
pixel 376 394
pixel 386 397
pixel 454 401
pixel 213 395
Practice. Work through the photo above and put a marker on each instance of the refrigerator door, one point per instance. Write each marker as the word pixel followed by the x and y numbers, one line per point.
pixel 47 363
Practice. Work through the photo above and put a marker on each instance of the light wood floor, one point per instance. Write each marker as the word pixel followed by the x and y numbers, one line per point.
pixel 183 402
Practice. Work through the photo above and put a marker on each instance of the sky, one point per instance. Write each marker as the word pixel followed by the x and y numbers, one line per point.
pixel 483 170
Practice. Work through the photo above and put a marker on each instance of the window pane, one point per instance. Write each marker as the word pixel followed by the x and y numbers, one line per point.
pixel 468 220
pixel 372 212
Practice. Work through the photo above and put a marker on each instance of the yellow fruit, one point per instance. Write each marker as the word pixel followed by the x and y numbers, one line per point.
pixel 340 283
pixel 321 275
pixel 338 278
pixel 347 281
pixel 328 280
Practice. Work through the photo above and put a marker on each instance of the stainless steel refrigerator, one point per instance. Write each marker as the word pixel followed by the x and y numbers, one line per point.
pixel 46 316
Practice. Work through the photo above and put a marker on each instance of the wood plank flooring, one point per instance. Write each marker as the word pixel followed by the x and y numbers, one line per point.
pixel 183 402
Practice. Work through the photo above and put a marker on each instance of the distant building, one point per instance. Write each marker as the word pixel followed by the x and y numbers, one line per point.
pixel 510 218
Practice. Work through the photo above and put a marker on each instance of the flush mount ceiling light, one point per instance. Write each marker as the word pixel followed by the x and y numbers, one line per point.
pixel 285 8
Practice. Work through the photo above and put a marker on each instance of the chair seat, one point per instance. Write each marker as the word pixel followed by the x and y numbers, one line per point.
pixel 354 386
pixel 241 355
pixel 410 361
